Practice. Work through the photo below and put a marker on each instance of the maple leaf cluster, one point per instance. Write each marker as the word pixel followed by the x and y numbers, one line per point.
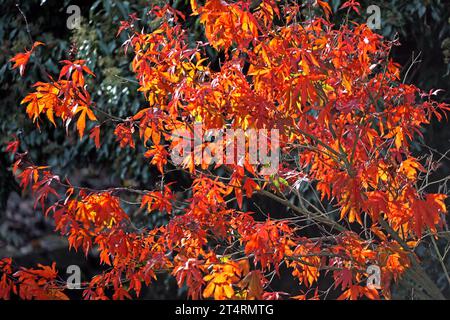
pixel 345 123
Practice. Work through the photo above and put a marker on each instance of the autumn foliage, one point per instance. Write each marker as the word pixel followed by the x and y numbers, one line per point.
pixel 345 121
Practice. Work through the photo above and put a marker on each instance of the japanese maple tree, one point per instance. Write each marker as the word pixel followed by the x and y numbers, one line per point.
pixel 345 124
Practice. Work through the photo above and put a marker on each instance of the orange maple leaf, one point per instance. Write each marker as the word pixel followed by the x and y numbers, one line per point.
pixel 20 60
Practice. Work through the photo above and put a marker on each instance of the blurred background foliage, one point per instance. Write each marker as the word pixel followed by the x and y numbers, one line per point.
pixel 422 26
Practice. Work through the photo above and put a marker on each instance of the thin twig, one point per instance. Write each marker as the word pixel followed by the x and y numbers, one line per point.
pixel 26 23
